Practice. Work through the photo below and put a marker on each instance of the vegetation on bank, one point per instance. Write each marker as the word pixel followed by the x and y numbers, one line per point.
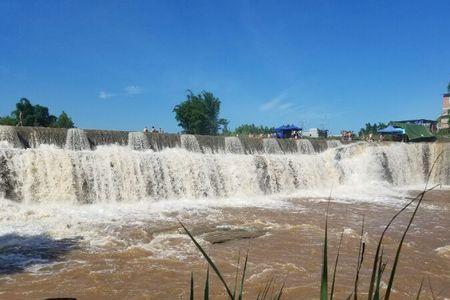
pixel 371 129
pixel 27 114
pixel 247 129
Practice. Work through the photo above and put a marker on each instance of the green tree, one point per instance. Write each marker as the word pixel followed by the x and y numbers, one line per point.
pixel 8 120
pixel 246 129
pixel 371 128
pixel 199 114
pixel 27 114
pixel 24 112
pixel 42 117
pixel 64 121
pixel 448 88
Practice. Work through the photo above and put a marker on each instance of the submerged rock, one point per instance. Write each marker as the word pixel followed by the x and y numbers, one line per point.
pixel 222 235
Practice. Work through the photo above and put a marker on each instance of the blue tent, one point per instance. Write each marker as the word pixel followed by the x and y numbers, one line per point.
pixel 285 131
pixel 391 130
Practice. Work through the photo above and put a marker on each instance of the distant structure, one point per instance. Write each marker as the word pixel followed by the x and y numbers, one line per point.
pixel 288 131
pixel 315 133
pixel 443 120
pixel 431 125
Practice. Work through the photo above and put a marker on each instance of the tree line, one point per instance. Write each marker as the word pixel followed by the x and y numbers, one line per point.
pixel 27 114
pixel 371 129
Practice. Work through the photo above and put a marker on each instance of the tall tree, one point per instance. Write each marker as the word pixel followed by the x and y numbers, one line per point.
pixel 42 117
pixel 199 114
pixel 24 112
pixel 448 88
pixel 64 121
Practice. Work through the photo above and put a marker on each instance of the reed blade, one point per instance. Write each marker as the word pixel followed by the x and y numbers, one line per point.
pixel 324 277
pixel 206 290
pixel 335 266
pixel 361 250
pixel 280 291
pixel 236 276
pixel 380 241
pixel 381 267
pixel 420 290
pixel 241 291
pixel 191 294
pixel 399 248
pixel 209 260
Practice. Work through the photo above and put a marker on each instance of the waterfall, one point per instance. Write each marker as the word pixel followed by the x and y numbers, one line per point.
pixel 138 141
pixel 271 146
pixel 77 140
pixel 190 143
pixel 9 137
pixel 333 143
pixel 233 145
pixel 305 146
pixel 116 173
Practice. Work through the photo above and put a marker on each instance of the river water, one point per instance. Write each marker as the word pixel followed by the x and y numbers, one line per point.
pixel 103 223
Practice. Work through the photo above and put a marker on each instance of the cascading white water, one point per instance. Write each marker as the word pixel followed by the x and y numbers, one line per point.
pixel 76 140
pixel 190 143
pixel 305 146
pixel 271 146
pixel 115 173
pixel 333 143
pixel 233 145
pixel 9 137
pixel 138 141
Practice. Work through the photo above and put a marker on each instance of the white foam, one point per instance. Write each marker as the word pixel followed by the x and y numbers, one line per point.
pixel 443 251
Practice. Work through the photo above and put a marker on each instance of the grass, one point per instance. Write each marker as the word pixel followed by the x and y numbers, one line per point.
pixel 378 267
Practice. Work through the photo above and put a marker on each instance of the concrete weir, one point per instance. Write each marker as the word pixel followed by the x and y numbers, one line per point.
pixel 40 165
pixel 89 139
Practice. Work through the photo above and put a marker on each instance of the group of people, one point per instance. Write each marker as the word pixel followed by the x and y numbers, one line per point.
pixel 261 135
pixel 154 130
pixel 347 136
pixel 296 134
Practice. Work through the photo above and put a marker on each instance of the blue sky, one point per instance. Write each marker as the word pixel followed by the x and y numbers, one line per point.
pixel 126 64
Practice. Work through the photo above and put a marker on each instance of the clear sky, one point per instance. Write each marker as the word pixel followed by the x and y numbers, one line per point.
pixel 126 64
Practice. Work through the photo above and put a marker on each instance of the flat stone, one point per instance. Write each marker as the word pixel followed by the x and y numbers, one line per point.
pixel 222 235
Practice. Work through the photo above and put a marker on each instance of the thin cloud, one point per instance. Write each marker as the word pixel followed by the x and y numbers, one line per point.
pixel 133 90
pixel 130 90
pixel 286 105
pixel 105 95
pixel 278 103
pixel 270 104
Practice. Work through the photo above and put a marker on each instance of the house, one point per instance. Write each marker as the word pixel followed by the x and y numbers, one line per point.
pixel 444 119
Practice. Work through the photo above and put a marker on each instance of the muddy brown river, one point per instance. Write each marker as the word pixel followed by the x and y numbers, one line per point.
pixel 138 258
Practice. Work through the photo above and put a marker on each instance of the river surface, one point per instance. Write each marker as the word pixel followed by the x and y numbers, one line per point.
pixel 139 252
